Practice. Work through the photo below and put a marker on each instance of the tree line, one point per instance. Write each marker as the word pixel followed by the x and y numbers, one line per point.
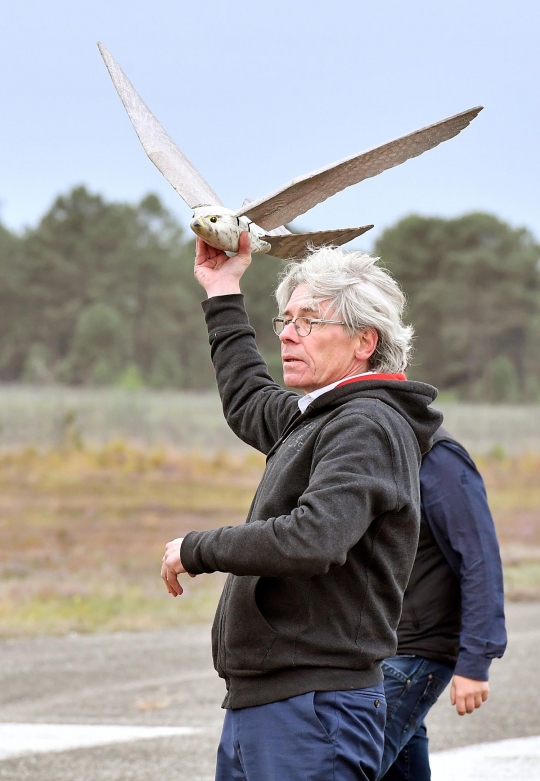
pixel 102 293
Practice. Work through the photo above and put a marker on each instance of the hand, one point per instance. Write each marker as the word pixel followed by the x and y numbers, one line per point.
pixel 171 567
pixel 216 272
pixel 467 694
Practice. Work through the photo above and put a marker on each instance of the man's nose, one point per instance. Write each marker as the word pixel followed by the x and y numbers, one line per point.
pixel 289 334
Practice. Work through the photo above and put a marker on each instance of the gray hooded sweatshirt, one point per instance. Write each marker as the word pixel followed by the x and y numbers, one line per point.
pixel 318 570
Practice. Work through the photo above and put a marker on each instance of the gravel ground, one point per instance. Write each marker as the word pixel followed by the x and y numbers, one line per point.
pixel 165 678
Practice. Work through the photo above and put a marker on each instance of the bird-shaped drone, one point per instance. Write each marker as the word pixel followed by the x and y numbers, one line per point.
pixel 265 217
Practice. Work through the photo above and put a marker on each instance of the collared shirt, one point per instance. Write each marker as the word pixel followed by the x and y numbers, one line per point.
pixel 305 401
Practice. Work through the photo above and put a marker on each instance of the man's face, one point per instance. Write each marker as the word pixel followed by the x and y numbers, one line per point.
pixel 327 355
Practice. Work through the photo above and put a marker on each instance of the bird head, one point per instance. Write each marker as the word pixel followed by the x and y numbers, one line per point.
pixel 208 220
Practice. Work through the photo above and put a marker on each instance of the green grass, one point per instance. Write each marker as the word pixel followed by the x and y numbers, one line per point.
pixel 45 417
pixel 55 416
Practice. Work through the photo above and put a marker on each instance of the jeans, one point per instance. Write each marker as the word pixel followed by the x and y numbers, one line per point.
pixel 318 736
pixel 412 684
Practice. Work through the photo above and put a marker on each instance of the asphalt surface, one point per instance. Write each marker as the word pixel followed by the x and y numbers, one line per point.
pixel 165 679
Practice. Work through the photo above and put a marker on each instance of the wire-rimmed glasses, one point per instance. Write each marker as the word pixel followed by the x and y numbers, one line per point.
pixel 302 325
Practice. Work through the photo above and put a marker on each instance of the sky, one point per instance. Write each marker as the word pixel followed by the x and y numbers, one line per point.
pixel 258 93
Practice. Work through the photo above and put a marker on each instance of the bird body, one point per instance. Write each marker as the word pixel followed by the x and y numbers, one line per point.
pixel 265 217
pixel 221 228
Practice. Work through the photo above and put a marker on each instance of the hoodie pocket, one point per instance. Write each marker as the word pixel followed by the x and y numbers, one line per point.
pixel 245 635
pixel 218 641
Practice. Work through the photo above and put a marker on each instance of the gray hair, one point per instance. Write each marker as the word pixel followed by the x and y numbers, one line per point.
pixel 359 292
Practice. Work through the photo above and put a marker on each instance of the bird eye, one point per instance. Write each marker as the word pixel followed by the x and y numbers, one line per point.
pixel 213 219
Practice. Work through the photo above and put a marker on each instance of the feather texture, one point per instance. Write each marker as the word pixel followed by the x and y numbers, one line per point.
pixel 158 144
pixel 295 245
pixel 305 192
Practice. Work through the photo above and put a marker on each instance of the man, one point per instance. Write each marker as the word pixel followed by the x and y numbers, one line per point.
pixel 318 570
pixel 452 624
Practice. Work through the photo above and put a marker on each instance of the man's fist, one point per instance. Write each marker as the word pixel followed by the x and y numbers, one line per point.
pixel 171 567
pixel 218 273
pixel 467 694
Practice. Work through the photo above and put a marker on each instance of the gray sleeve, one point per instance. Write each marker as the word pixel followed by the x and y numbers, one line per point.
pixel 352 482
pixel 256 408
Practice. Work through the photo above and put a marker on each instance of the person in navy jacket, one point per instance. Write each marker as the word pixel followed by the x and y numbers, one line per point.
pixel 452 624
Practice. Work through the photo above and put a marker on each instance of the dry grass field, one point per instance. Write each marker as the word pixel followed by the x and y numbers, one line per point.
pixel 513 487
pixel 82 531
pixel 82 534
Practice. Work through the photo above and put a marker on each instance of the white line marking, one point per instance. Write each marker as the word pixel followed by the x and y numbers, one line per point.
pixel 17 739
pixel 507 760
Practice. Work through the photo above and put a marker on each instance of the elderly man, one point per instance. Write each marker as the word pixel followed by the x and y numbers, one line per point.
pixel 318 571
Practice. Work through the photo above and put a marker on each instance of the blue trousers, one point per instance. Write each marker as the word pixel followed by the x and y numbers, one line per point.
pixel 412 685
pixel 318 736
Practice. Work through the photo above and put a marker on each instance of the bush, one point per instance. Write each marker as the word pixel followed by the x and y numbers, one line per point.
pixel 99 348
pixel 166 371
pixel 131 378
pixel 501 382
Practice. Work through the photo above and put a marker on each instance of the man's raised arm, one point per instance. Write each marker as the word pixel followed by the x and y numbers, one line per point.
pixel 255 407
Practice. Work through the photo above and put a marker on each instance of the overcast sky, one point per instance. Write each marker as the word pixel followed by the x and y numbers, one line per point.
pixel 257 93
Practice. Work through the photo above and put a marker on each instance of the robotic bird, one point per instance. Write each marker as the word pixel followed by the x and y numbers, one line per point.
pixel 265 217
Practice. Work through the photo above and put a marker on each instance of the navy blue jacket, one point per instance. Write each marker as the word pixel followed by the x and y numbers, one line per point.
pixel 455 506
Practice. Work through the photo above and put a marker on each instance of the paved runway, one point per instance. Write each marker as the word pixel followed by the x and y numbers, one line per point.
pixel 141 706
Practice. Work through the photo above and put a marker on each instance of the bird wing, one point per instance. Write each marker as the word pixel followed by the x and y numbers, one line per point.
pixel 158 144
pixel 305 192
pixel 280 231
pixel 295 245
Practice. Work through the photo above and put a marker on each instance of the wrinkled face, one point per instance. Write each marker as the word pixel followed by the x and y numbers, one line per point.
pixel 327 355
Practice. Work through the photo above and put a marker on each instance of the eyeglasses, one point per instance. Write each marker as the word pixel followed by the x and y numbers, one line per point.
pixel 302 325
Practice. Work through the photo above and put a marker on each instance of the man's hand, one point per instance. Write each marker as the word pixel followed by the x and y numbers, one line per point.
pixel 216 272
pixel 171 567
pixel 467 694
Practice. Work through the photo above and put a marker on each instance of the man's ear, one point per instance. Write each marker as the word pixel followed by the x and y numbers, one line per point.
pixel 367 341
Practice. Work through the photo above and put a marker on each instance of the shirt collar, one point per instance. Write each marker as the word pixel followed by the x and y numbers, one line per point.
pixel 305 401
